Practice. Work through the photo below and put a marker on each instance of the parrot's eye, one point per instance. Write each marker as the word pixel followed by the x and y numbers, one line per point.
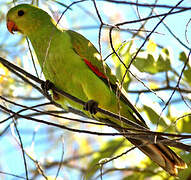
pixel 20 13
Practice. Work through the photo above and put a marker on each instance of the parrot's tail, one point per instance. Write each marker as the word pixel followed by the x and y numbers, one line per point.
pixel 162 155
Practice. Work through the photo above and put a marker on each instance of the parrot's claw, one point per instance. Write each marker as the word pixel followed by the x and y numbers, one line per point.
pixel 46 86
pixel 91 106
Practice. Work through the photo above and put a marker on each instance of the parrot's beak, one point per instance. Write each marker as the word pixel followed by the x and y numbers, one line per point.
pixel 11 26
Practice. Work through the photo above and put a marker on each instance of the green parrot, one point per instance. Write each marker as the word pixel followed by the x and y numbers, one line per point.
pixel 73 64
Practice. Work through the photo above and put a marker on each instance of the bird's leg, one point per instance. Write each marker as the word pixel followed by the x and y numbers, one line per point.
pixel 48 85
pixel 91 106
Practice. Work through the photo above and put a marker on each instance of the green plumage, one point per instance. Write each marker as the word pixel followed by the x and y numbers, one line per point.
pixel 62 55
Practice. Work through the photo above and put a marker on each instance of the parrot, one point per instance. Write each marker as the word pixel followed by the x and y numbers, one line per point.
pixel 73 64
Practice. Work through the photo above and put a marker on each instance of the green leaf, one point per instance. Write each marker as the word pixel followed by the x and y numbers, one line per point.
pixel 182 56
pixel 186 173
pixel 107 151
pixel 187 75
pixel 124 52
pixel 163 61
pixel 183 124
pixel 145 64
pixel 154 117
pixel 152 66
pixel 151 47
pixel 162 64
pixel 137 175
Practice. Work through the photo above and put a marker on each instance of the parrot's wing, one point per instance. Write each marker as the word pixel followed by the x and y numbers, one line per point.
pixel 89 54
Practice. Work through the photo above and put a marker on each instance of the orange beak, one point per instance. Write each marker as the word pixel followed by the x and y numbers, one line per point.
pixel 11 26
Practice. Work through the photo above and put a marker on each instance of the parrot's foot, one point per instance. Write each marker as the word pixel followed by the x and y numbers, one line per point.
pixel 91 106
pixel 48 85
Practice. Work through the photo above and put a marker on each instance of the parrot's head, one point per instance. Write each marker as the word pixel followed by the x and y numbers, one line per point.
pixel 26 19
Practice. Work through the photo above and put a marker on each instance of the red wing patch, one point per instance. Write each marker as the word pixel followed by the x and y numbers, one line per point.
pixel 94 69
